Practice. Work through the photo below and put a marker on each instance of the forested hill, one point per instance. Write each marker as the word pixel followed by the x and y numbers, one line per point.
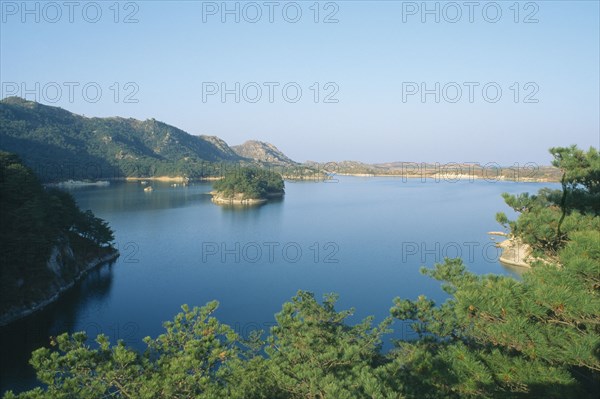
pixel 48 243
pixel 60 145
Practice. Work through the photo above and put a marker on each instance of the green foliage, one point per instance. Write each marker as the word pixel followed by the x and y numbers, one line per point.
pixel 313 353
pixel 581 169
pixel 95 229
pixel 547 219
pixel 34 221
pixel 251 183
pixel 499 337
pixel 190 360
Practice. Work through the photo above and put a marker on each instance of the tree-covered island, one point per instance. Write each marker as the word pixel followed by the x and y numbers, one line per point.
pixel 248 186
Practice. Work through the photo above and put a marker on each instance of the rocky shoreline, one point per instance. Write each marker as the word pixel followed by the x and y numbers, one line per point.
pixel 19 313
pixel 238 199
pixel 515 253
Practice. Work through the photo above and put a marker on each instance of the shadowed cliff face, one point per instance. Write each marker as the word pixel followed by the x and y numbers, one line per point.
pixel 67 264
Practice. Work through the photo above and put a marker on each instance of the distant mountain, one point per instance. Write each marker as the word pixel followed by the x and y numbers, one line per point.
pixel 60 145
pixel 347 168
pixel 263 152
pixel 442 172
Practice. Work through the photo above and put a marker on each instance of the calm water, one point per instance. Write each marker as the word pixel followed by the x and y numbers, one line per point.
pixel 364 238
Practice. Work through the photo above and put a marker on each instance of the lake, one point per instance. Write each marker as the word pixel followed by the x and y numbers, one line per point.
pixel 363 238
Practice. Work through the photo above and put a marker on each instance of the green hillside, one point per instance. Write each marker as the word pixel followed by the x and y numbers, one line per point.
pixel 60 145
pixel 48 242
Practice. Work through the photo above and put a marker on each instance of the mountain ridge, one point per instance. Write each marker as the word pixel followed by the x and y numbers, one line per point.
pixel 60 145
pixel 263 151
pixel 48 138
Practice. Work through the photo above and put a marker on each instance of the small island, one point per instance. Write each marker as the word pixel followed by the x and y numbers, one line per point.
pixel 247 186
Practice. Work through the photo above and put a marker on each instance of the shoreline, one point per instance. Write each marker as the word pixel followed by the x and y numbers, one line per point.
pixel 238 200
pixel 181 179
pixel 514 253
pixel 233 201
pixel 18 314
pixel 451 178
pixel 178 179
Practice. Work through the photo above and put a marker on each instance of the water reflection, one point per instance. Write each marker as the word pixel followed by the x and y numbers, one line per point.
pixel 235 214
pixel 18 340
pixel 517 271
pixel 128 196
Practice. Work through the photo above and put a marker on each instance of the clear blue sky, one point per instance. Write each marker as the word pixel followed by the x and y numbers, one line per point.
pixel 372 54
